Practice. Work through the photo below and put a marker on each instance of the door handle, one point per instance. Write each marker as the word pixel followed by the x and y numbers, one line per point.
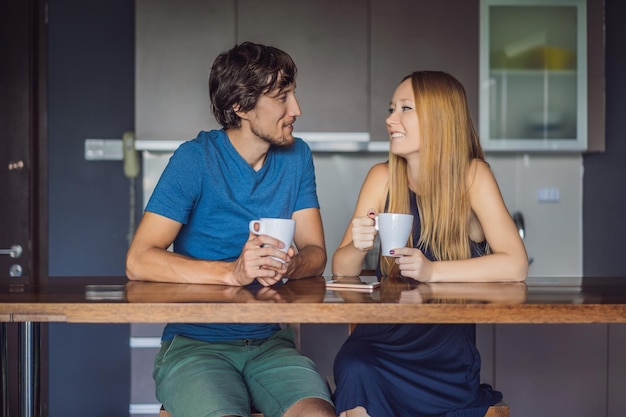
pixel 14 252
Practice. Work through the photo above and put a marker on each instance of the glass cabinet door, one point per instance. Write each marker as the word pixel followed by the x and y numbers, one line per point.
pixel 533 75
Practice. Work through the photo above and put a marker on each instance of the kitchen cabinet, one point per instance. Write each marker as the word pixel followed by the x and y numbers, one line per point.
pixel 538 368
pixel 351 55
pixel 407 36
pixel 533 75
pixel 616 370
pixel 328 41
pixel 176 43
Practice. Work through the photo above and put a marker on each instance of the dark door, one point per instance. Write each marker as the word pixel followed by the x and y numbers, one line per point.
pixel 23 245
pixel 23 187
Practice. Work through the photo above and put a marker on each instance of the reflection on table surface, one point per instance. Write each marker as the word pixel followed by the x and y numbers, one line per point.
pixel 408 291
pixel 312 290
pixel 308 290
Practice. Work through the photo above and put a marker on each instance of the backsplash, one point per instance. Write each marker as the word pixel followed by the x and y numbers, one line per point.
pixel 546 189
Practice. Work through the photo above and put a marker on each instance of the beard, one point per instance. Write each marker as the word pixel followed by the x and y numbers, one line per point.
pixel 283 140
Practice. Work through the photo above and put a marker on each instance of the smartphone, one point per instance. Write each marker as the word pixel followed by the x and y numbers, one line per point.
pixel 353 284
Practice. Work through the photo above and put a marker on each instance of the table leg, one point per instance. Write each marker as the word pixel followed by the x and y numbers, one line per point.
pixel 4 371
pixel 29 341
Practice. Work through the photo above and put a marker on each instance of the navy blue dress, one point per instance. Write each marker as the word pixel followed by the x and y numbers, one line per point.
pixel 416 370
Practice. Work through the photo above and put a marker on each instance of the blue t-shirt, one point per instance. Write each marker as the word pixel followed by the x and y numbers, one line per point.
pixel 209 188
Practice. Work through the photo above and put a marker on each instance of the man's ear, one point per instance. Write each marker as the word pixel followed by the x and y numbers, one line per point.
pixel 238 112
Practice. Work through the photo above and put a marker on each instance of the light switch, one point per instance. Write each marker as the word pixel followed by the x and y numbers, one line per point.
pixel 104 150
pixel 548 195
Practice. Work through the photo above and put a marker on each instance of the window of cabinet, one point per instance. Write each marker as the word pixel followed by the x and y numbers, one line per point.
pixel 533 75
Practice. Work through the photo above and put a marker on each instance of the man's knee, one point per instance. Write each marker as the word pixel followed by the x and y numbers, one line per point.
pixel 311 407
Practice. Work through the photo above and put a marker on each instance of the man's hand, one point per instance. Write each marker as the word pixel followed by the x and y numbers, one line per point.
pixel 262 259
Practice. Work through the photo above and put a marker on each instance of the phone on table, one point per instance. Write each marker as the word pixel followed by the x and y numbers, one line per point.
pixel 367 284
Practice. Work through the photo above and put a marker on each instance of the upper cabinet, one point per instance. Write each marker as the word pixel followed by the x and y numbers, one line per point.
pixel 175 44
pixel 328 41
pixel 409 35
pixel 177 41
pixel 533 75
pixel 531 82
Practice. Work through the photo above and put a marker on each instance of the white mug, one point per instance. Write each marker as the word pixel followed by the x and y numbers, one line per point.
pixel 394 230
pixel 281 229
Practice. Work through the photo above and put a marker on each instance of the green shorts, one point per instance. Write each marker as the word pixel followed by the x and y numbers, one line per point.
pixel 195 378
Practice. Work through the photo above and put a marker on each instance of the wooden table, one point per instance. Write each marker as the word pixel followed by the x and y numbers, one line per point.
pixel 116 300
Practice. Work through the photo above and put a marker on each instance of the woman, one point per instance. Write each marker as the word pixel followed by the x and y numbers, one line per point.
pixel 462 232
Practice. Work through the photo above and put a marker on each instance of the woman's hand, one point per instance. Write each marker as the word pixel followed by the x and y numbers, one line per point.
pixel 413 264
pixel 363 231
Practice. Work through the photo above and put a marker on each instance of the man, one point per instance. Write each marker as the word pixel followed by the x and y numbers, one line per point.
pixel 211 189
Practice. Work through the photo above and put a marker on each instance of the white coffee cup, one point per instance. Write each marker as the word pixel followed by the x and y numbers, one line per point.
pixel 281 229
pixel 394 230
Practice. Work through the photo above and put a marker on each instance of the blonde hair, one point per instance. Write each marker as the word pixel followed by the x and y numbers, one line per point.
pixel 449 143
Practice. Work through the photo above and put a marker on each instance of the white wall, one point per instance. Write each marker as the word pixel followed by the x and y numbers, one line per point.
pixel 553 229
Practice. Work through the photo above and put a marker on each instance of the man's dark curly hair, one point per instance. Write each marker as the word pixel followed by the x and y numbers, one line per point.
pixel 242 74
